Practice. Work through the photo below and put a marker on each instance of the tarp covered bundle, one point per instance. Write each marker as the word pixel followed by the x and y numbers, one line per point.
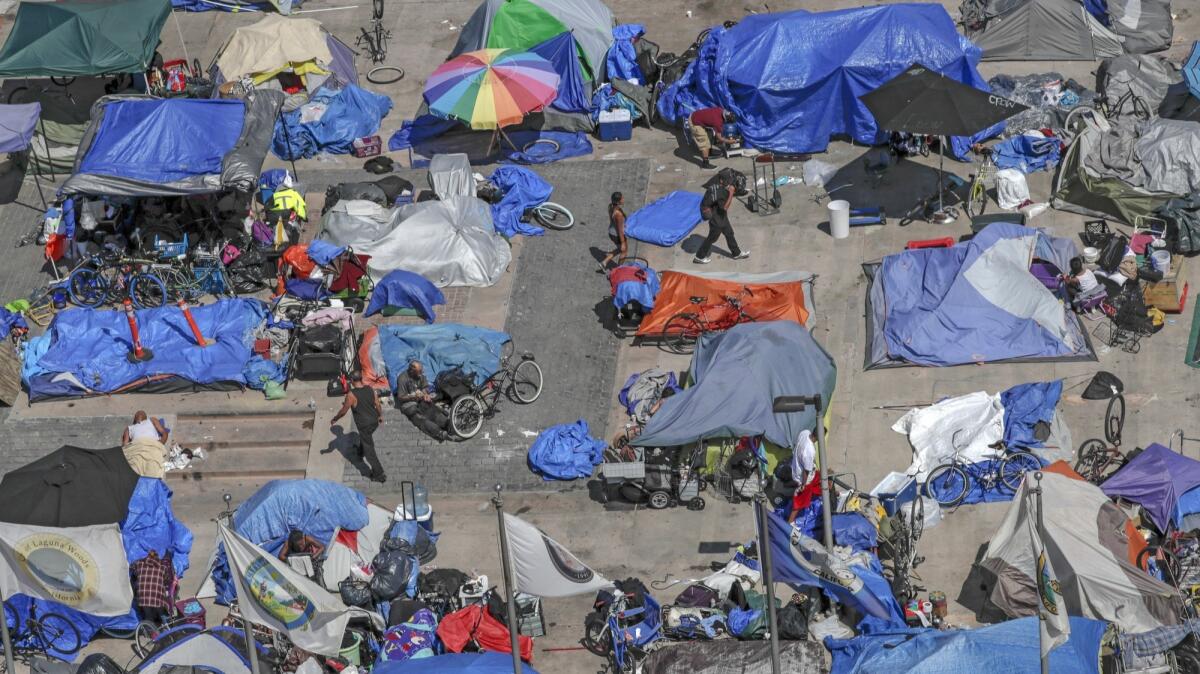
pixel 975 302
pixel 1042 30
pixel 405 290
pixel 451 242
pixel 1092 547
pixel 774 296
pixel 142 146
pixel 329 122
pixel 768 360
pixel 523 24
pixel 276 44
pixel 523 189
pixel 441 347
pixel 85 351
pixel 1156 479
pixel 749 657
pixel 794 79
pixel 565 452
pixel 666 220
pixel 69 38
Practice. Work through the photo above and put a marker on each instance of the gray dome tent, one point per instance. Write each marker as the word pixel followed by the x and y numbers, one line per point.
pixel 1039 30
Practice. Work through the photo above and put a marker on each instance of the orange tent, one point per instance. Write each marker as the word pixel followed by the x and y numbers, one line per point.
pixel 764 301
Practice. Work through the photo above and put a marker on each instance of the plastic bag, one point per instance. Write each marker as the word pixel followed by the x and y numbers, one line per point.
pixel 830 626
pixel 99 663
pixel 273 390
pixel 1011 188
pixel 354 593
pixel 393 570
pixel 817 173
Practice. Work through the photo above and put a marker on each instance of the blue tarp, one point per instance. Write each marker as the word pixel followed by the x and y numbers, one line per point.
pixel 324 253
pixel 565 452
pixel 1024 406
pixel 150 524
pixel 607 98
pixel 1027 154
pixel 854 531
pixel 523 189
pixel 350 113
pixel 642 292
pixel 976 493
pixel 570 144
pixel 405 290
pixel 441 347
pixel 621 62
pixel 562 53
pixel 667 220
pixel 794 78
pixel 1010 646
pixel 164 140
pixel 455 663
pixel 17 122
pixel 91 345
pixel 425 135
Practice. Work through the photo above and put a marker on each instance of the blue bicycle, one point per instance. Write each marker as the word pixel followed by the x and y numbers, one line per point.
pixel 949 483
pixel 106 278
pixel 620 632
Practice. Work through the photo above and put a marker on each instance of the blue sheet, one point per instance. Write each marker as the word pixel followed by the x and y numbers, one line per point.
pixel 794 78
pixel 151 524
pixel 854 531
pixel 641 292
pixel 405 290
pixel 1027 154
pixel 562 53
pixel 565 452
pixel 441 347
pixel 1024 406
pixel 523 189
pixel 324 253
pixel 164 140
pixel 1004 648
pixel 667 220
pixel 621 62
pixel 351 113
pixel 976 493
pixel 570 144
pixel 92 345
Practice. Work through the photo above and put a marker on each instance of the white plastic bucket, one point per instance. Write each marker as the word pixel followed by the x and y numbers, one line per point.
pixel 1162 261
pixel 839 218
pixel 1090 255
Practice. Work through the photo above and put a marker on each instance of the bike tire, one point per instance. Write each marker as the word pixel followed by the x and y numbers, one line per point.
pixel 977 199
pixel 466 416
pixel 18 95
pixel 527 381
pixel 1114 419
pixel 549 142
pixel 63 81
pixel 113 633
pixel 375 76
pixel 680 333
pixel 59 634
pixel 1015 465
pixel 1090 464
pixel 147 291
pixel 952 484
pixel 916 519
pixel 144 636
pixel 377 9
pixel 594 635
pixel 554 216
pixel 87 288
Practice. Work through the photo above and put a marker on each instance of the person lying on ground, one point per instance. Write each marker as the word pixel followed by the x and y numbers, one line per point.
pixel 144 428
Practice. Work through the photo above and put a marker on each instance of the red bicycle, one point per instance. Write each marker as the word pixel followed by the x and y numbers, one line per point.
pixel 680 333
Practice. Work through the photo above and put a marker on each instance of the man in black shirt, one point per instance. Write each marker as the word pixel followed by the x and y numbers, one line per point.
pixel 415 401
pixel 714 208
pixel 367 414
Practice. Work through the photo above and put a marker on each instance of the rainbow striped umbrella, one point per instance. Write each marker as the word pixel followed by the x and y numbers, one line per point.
pixel 491 88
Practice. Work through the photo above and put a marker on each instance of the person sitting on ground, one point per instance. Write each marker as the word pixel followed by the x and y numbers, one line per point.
pixel 416 402
pixel 300 543
pixel 144 428
pixel 152 577
pixel 1081 283
pixel 705 120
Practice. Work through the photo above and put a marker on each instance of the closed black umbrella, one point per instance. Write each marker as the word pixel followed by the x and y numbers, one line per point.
pixel 70 487
pixel 922 101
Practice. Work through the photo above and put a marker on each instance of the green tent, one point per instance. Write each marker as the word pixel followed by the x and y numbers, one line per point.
pixel 522 24
pixel 83 37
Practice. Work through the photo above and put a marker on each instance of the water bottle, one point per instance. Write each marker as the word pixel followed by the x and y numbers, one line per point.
pixel 421 501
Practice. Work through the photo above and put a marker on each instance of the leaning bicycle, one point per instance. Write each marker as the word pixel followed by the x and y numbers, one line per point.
pixel 41 633
pixel 984 178
pixel 683 329
pixel 521 382
pixel 102 279
pixel 1100 458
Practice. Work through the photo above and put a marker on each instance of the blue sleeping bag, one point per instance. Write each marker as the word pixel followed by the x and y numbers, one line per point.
pixel 1027 154
pixel 350 113
pixel 565 452
pixel 523 189
pixel 405 290
pixel 667 221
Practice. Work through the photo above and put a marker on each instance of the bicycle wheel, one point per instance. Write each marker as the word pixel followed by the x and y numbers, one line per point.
pixel 595 635
pixel 680 333
pixel 18 95
pixel 63 81
pixel 916 518
pixel 1092 459
pixel 948 485
pixel 554 216
pixel 526 384
pixel 376 9
pixel 87 287
pixel 1014 467
pixel 58 634
pixel 977 198
pixel 466 416
pixel 1114 419
pixel 385 74
pixel 147 291
pixel 544 142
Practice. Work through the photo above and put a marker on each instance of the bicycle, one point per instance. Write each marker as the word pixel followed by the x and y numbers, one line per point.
pixel 521 382
pixel 949 483
pixel 615 634
pixel 899 545
pixel 682 330
pixel 984 178
pixel 105 278
pixel 41 635
pixel 552 216
pixel 1097 458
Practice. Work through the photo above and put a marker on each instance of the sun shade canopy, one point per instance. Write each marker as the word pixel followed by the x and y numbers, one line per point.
pixel 83 37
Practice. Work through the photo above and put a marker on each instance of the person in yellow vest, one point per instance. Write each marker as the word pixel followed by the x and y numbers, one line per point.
pixel 285 202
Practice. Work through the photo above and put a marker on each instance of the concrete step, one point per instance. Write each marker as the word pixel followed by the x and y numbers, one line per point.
pixel 245 448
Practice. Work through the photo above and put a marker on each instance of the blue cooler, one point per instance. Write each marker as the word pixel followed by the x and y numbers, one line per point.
pixel 615 125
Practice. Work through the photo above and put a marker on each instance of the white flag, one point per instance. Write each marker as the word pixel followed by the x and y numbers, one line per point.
pixel 544 568
pixel 274 596
pixel 81 567
pixel 1052 609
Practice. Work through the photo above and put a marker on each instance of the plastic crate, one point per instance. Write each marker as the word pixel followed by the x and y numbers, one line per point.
pixel 166 249
pixel 211 278
pixel 894 491
pixel 626 470
pixel 531 621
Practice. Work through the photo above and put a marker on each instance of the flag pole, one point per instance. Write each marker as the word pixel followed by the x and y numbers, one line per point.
pixel 1041 532
pixel 6 637
pixel 509 591
pixel 764 560
pixel 251 651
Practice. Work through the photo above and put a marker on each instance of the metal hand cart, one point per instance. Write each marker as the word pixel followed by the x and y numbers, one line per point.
pixel 765 200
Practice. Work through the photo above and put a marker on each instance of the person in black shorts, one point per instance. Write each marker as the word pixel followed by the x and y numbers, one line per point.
pixel 363 402
pixel 616 230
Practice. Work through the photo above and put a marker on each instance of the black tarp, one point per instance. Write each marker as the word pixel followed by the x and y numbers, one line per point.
pixel 70 487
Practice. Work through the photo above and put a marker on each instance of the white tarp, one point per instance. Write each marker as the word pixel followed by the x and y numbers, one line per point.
pixel 544 568
pixel 450 176
pixel 967 424
pixel 80 567
pixel 451 242
pixel 340 559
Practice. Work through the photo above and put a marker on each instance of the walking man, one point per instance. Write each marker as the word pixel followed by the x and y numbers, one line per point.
pixel 714 208
pixel 368 414
pixel 703 121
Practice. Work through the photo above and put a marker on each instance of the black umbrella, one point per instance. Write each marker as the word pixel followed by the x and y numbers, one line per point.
pixel 70 487
pixel 922 101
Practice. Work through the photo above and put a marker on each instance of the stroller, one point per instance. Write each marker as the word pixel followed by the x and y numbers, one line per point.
pixel 633 285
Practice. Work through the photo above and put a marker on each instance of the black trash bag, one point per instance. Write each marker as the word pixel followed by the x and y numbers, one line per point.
pixel 393 566
pixel 793 622
pixel 1104 385
pixel 354 592
pixel 421 544
pixel 445 582
pixel 402 610
pixel 393 186
pixel 1113 252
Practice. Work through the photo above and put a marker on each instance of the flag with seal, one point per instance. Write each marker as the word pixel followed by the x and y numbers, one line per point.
pixel 73 566
pixel 1055 626
pixel 544 568
pixel 271 594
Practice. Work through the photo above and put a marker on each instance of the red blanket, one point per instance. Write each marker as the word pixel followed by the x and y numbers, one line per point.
pixel 473 623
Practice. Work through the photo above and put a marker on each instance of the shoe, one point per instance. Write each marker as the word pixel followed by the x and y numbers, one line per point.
pixel 706 164
pixel 443 436
pixel 701 260
pixel 379 478
pixel 742 255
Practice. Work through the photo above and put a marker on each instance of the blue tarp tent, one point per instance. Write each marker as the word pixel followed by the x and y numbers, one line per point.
pixel 1010 646
pixel 17 123
pixel 667 220
pixel 1155 479
pixel 441 347
pixel 405 290
pixel 975 302
pixel 562 53
pixel 84 351
pixel 794 78
pixel 348 113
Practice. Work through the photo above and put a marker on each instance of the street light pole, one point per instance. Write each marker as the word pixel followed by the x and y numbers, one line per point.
pixel 764 559
pixel 510 592
pixel 789 404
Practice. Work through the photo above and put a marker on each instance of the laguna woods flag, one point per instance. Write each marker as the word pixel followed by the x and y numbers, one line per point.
pixel 74 566
pixel 271 594
pixel 544 568
pixel 1054 624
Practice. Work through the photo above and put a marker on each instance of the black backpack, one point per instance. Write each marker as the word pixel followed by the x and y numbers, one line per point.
pixel 1113 252
pixel 454 383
